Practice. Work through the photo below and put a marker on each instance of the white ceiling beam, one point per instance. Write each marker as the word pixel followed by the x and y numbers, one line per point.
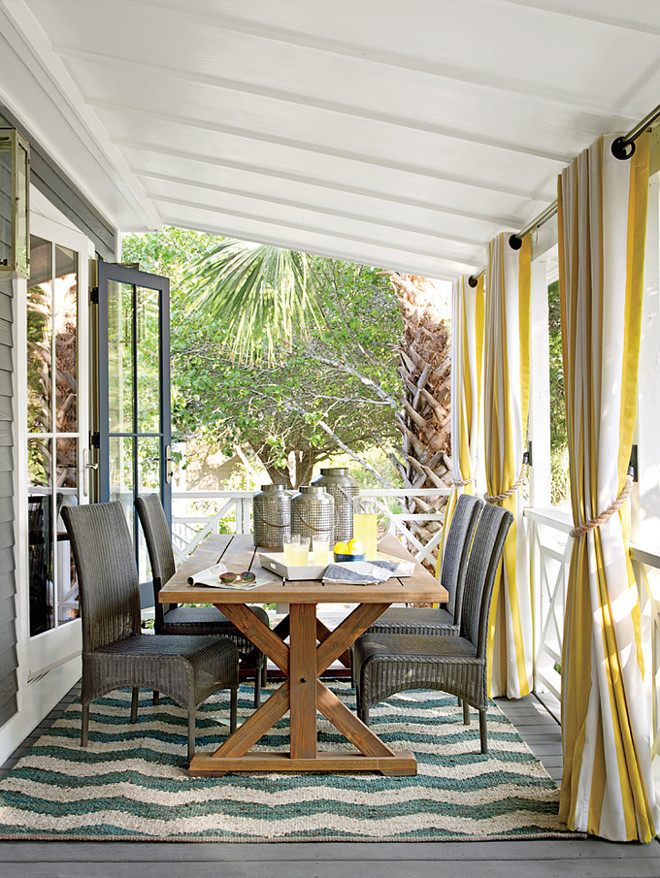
pixel 318 148
pixel 273 172
pixel 485 79
pixel 440 210
pixel 394 260
pixel 432 252
pixel 379 222
pixel 37 54
pixel 222 20
pixel 560 7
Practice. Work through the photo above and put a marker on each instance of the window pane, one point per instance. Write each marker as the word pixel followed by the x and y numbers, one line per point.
pixel 148 375
pixel 39 337
pixel 66 338
pixel 67 491
pixel 120 357
pixel 122 478
pixel 40 538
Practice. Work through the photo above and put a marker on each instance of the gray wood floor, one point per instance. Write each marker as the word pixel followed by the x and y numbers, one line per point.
pixel 573 858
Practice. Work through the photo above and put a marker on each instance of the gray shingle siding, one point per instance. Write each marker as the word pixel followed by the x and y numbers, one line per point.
pixel 8 659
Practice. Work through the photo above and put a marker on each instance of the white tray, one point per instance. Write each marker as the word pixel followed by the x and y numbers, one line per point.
pixel 274 561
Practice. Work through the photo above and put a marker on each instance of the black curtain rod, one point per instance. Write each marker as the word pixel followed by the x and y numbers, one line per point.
pixel 622 148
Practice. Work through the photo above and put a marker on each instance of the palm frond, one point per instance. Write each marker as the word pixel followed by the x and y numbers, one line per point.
pixel 261 295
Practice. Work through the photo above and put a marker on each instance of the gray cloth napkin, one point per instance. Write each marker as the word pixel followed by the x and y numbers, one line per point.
pixel 360 572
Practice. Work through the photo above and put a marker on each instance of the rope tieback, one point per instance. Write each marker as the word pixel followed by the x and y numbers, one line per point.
pixel 495 498
pixel 461 483
pixel 626 491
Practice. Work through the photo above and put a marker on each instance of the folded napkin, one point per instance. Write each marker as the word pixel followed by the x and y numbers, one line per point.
pixel 360 572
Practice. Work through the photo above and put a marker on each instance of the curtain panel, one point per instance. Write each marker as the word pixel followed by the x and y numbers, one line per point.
pixel 467 356
pixel 506 406
pixel 607 786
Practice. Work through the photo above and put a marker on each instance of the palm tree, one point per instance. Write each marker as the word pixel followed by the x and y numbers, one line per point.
pixel 265 296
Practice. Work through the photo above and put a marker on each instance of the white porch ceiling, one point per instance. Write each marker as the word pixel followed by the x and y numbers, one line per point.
pixel 403 135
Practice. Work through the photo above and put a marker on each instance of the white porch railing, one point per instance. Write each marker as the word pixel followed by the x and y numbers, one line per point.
pixel 550 541
pixel 196 514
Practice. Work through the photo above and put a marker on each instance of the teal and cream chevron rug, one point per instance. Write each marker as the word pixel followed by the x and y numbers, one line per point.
pixel 131 782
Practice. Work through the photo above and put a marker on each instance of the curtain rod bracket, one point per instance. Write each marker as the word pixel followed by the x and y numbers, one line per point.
pixel 515 242
pixel 622 149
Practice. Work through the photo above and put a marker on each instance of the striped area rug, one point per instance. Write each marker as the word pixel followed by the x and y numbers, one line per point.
pixel 131 782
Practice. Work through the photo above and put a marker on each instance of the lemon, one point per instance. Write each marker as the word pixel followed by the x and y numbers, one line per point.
pixel 355 547
pixel 342 549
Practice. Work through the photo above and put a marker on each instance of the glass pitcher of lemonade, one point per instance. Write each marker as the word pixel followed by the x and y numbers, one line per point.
pixel 365 525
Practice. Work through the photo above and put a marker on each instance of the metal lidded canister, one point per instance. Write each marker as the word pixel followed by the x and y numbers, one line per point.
pixel 313 513
pixel 343 488
pixel 271 512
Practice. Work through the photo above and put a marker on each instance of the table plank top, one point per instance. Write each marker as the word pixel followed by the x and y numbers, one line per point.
pixel 238 553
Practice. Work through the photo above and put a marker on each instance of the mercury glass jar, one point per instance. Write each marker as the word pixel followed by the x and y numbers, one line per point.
pixel 342 488
pixel 313 513
pixel 271 513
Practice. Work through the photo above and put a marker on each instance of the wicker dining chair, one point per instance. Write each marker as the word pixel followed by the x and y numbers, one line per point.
pixel 390 663
pixel 173 619
pixel 430 620
pixel 115 654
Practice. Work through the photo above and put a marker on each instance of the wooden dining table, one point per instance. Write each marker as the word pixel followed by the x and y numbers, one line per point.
pixel 311 649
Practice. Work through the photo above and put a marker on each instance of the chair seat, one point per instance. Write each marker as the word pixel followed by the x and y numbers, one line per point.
pixel 414 647
pixel 414 620
pixel 191 621
pixel 202 620
pixel 187 668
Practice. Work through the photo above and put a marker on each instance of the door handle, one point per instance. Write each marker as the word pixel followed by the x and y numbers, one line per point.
pixel 169 464
pixel 85 474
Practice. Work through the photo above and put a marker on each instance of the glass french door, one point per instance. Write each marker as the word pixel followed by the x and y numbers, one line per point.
pixel 54 318
pixel 134 437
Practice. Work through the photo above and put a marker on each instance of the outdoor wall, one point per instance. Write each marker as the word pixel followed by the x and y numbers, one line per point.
pixel 8 658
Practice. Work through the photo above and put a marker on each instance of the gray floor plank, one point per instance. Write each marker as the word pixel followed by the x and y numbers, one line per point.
pixel 157 852
pixel 358 869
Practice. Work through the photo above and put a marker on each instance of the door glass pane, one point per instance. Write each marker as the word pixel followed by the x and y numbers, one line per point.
pixel 40 543
pixel 120 357
pixel 148 350
pixel 148 483
pixel 39 336
pixel 66 338
pixel 122 479
pixel 66 586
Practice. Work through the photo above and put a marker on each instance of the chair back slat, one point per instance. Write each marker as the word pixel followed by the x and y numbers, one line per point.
pixel 107 573
pixel 159 545
pixel 457 550
pixel 485 555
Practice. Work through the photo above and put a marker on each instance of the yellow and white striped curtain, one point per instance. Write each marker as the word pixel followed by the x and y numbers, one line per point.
pixel 467 354
pixel 506 406
pixel 607 786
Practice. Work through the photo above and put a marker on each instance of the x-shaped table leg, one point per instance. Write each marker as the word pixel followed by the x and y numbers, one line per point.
pixel 303 693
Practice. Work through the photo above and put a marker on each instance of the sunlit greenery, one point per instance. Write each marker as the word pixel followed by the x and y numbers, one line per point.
pixel 559 487
pixel 333 382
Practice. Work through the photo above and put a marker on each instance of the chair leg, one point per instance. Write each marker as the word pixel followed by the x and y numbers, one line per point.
pixel 156 698
pixel 264 672
pixel 134 704
pixel 191 733
pixel 483 731
pixel 84 729
pixel 233 708
pixel 257 686
pixel 466 713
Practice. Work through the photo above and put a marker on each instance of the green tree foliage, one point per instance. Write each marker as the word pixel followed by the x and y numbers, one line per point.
pixel 332 387
pixel 558 431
